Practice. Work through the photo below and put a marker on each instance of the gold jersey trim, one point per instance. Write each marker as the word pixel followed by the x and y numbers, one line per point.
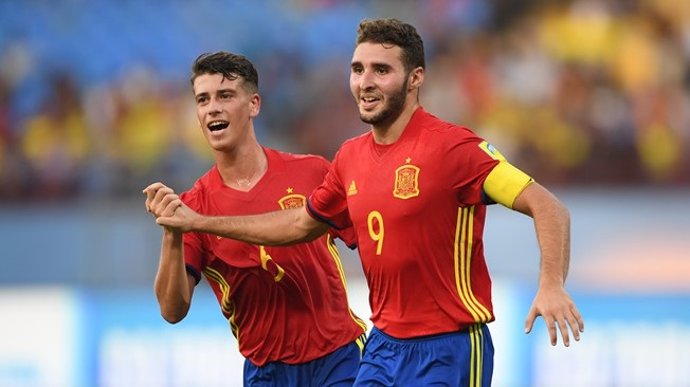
pixel 333 249
pixel 226 303
pixel 463 247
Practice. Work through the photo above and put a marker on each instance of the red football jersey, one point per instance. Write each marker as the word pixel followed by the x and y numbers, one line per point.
pixel 285 304
pixel 418 212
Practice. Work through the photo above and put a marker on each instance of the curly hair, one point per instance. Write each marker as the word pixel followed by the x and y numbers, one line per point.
pixel 390 31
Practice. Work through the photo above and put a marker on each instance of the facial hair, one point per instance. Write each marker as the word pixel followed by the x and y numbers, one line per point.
pixel 395 106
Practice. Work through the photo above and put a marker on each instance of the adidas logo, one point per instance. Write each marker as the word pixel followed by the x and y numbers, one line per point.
pixel 352 189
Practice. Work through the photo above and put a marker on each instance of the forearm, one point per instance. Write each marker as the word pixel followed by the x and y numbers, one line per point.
pixel 552 226
pixel 172 285
pixel 271 229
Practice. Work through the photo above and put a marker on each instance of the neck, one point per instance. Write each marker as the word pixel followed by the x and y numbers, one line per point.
pixel 242 169
pixel 385 134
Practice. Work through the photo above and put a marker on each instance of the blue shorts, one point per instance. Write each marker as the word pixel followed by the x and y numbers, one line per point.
pixel 338 368
pixel 463 358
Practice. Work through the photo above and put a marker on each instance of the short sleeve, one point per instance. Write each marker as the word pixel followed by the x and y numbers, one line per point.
pixel 471 165
pixel 193 242
pixel 328 203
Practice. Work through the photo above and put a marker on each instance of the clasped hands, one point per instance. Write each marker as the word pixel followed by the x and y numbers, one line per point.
pixel 166 206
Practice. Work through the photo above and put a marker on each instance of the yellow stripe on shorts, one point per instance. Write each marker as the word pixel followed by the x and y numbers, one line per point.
pixel 477 355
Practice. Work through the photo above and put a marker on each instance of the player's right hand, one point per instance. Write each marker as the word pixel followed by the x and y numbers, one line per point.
pixel 182 218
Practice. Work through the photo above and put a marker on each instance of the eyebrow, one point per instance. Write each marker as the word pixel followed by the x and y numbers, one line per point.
pixel 232 91
pixel 375 64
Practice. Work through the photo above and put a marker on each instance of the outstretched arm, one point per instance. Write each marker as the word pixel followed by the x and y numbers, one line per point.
pixel 173 286
pixel 552 302
pixel 283 227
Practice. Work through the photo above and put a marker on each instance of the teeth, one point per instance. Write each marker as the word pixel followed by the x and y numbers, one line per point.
pixel 217 125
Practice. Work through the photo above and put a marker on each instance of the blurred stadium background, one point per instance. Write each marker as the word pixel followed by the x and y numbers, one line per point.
pixel 590 97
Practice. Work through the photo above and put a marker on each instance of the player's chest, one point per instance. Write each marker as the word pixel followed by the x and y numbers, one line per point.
pixel 404 184
pixel 279 195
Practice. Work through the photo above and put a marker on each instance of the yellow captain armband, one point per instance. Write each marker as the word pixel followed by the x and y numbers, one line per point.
pixel 505 183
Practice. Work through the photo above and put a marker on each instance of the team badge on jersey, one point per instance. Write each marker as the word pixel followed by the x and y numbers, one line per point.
pixel 406 181
pixel 292 200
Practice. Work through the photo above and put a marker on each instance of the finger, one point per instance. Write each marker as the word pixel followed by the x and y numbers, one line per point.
pixel 574 327
pixel 563 327
pixel 578 317
pixel 152 187
pixel 168 221
pixel 164 221
pixel 162 192
pixel 171 207
pixel 529 322
pixel 161 200
pixel 150 193
pixel 164 198
pixel 149 198
pixel 551 327
pixel 155 189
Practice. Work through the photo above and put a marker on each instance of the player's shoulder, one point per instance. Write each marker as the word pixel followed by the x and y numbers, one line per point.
pixel 201 186
pixel 302 159
pixel 356 142
pixel 436 124
pixel 448 132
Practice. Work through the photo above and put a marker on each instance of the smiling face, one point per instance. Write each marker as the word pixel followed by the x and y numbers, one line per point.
pixel 379 83
pixel 225 109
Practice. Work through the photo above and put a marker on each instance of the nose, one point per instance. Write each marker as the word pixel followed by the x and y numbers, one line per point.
pixel 214 106
pixel 366 80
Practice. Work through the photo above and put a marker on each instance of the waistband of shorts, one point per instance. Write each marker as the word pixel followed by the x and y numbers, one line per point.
pixel 426 338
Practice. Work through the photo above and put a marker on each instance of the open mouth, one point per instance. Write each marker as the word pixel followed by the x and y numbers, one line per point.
pixel 218 125
pixel 368 102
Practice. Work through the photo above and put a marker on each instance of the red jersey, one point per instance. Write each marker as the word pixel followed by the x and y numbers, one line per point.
pixel 418 212
pixel 285 304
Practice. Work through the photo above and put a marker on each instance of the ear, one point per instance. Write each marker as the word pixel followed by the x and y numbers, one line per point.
pixel 255 105
pixel 416 78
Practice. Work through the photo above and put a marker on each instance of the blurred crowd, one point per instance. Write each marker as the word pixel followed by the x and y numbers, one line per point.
pixel 576 93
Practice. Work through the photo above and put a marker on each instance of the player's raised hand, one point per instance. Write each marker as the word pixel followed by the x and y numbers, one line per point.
pixel 161 200
pixel 559 312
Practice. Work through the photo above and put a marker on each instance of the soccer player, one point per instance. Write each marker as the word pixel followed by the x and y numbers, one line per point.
pixel 287 306
pixel 415 189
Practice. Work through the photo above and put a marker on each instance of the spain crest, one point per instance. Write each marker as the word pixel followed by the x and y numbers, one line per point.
pixel 406 181
pixel 292 201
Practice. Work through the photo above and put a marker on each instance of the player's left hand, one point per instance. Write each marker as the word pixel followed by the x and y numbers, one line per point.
pixel 161 200
pixel 559 312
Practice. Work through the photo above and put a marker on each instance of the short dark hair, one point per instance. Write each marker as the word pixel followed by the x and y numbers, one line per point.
pixel 395 32
pixel 232 66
